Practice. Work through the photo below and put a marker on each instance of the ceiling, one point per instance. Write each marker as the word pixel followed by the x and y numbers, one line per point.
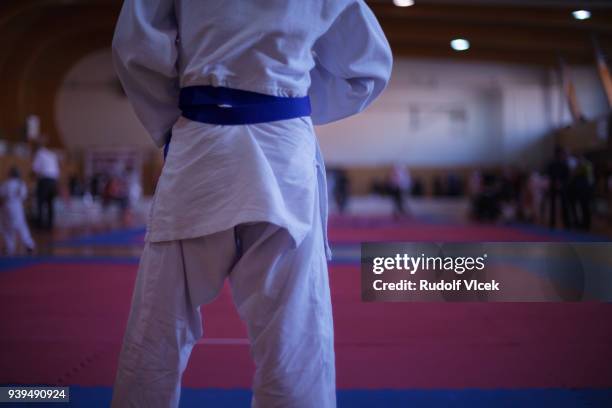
pixel 498 30
pixel 49 36
pixel 533 3
pixel 530 31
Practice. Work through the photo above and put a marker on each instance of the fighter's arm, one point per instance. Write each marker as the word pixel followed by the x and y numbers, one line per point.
pixel 145 56
pixel 353 65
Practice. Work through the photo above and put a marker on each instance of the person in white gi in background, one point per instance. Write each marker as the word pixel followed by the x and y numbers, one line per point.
pixel 244 202
pixel 13 193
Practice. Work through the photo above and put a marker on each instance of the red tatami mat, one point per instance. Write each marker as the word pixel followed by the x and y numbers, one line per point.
pixel 62 323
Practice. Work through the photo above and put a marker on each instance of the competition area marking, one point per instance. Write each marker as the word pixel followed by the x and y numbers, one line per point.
pixel 224 341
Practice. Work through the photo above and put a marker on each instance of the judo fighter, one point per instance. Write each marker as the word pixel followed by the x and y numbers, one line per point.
pixel 232 89
pixel 13 221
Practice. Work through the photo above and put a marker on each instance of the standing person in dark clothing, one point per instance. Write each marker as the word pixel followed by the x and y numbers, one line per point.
pixel 583 185
pixel 341 189
pixel 46 168
pixel 559 175
pixel 398 184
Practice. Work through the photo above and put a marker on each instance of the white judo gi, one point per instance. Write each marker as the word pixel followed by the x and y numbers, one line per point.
pixel 12 216
pixel 246 202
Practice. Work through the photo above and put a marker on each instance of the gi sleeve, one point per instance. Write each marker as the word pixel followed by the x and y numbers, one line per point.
pixel 353 63
pixel 145 57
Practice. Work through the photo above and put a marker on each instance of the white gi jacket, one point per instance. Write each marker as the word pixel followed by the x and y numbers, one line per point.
pixel 13 221
pixel 216 177
pixel 13 192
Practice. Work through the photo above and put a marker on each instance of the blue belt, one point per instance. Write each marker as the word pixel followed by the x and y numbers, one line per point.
pixel 226 106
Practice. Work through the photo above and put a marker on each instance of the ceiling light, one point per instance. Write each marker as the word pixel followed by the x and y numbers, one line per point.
pixel 460 44
pixel 403 3
pixel 581 14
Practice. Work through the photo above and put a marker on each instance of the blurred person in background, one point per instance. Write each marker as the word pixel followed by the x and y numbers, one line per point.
pixel 511 194
pixel 134 188
pixel 486 202
pixel 399 185
pixel 133 193
pixel 76 186
pixel 395 184
pixel 474 183
pixel 438 189
pixel 115 191
pixel 45 167
pixel 13 193
pixel 339 186
pixel 95 185
pixel 558 171
pixel 583 181
pixel 533 199
pixel 454 185
pixel 418 188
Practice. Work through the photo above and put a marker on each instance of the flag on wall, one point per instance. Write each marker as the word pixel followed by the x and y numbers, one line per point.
pixel 604 72
pixel 570 92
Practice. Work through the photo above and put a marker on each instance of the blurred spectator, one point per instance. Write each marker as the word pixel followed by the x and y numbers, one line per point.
pixel 75 186
pixel 475 183
pixel 13 192
pixel 115 191
pixel 134 189
pixel 395 185
pixel 533 199
pixel 454 185
pixel 46 169
pixel 486 202
pixel 559 176
pixel 399 183
pixel 438 187
pixel 582 192
pixel 339 185
pixel 510 189
pixel 95 185
pixel 134 193
pixel 572 161
pixel 400 177
pixel 418 189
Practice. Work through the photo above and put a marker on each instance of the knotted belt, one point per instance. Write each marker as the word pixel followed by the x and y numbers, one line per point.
pixel 226 106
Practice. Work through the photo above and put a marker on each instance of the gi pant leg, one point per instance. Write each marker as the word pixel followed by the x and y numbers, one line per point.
pixel 165 321
pixel 282 294
pixel 283 297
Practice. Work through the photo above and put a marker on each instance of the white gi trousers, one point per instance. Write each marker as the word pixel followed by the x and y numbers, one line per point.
pixel 281 292
pixel 14 225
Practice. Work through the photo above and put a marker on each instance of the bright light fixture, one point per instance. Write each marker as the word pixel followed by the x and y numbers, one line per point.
pixel 403 3
pixel 460 44
pixel 581 14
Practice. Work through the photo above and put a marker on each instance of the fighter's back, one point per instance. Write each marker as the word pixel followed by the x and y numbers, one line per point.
pixel 259 45
pixel 232 89
pixel 334 51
